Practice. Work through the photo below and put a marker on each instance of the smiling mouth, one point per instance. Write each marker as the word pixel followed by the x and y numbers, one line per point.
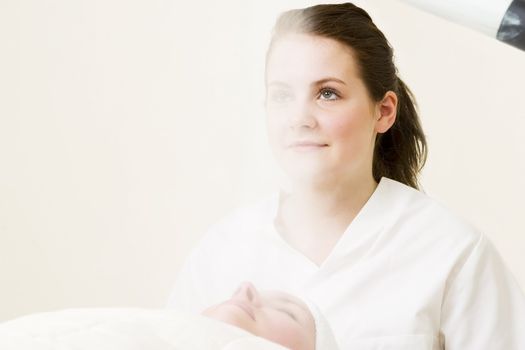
pixel 242 306
pixel 307 145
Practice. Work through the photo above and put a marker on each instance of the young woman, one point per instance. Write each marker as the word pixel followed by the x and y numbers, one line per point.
pixel 388 266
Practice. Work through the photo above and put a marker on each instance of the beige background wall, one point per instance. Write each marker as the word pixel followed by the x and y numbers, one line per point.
pixel 128 127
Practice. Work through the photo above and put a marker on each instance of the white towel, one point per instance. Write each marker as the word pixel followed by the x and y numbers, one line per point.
pixel 324 337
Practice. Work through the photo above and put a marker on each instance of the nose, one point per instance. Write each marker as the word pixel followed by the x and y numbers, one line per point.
pixel 247 293
pixel 302 116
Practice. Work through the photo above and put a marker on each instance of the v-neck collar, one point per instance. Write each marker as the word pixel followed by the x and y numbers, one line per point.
pixel 358 237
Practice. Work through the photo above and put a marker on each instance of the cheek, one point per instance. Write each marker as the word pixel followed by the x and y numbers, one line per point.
pixel 230 315
pixel 346 126
pixel 275 123
pixel 276 132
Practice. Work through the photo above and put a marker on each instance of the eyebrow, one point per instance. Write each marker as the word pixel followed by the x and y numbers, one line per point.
pixel 318 82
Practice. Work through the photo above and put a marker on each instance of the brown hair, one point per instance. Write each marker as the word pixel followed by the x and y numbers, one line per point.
pixel 401 152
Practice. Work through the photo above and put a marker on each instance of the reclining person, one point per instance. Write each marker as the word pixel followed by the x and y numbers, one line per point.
pixel 248 320
pixel 277 316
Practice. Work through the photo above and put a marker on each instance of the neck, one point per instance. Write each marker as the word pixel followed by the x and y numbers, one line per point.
pixel 324 208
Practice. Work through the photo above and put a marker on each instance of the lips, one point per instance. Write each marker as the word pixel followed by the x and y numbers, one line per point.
pixel 307 144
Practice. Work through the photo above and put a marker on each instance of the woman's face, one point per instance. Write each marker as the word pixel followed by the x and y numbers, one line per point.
pixel 321 120
pixel 273 315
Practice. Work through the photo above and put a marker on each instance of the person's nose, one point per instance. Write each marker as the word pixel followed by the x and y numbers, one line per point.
pixel 247 293
pixel 302 116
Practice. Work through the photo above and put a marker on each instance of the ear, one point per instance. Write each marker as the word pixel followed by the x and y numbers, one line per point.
pixel 386 112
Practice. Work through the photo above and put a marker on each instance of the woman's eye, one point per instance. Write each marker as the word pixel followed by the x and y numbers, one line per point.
pixel 329 94
pixel 280 96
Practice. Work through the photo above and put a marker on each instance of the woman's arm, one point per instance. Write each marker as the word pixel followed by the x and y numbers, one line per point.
pixel 483 306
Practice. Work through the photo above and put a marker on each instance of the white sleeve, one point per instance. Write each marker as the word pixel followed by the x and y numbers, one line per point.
pixel 483 306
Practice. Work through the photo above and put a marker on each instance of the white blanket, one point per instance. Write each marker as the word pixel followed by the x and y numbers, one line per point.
pixel 125 329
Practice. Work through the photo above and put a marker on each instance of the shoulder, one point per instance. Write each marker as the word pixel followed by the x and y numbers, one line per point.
pixel 426 219
pixel 424 230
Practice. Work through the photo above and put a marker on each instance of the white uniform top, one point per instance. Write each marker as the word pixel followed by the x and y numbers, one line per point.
pixel 406 274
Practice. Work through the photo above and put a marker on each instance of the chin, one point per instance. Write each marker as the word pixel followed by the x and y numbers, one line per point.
pixel 312 175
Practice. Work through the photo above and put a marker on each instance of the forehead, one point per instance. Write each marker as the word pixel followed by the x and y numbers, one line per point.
pixel 303 58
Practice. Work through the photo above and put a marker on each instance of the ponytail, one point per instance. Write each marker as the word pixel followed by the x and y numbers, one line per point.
pixel 401 152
